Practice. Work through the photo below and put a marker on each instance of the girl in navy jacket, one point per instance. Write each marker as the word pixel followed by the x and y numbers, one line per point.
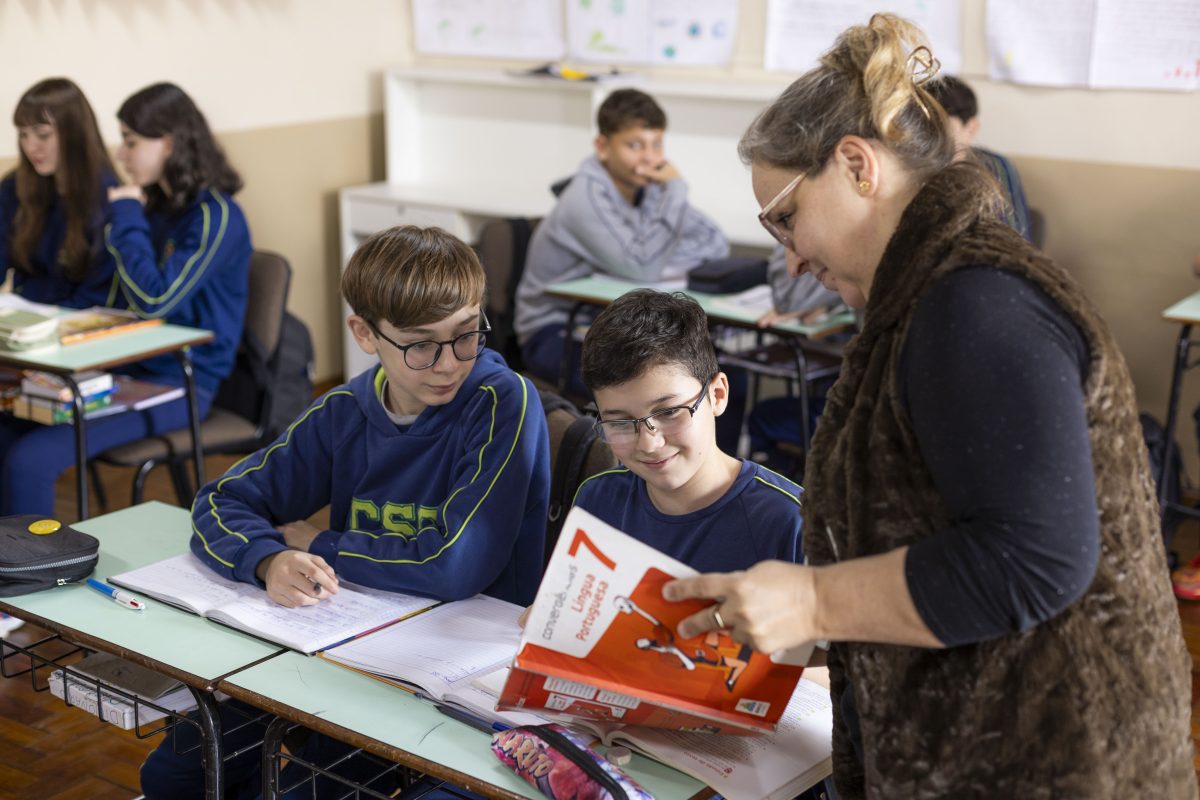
pixel 52 205
pixel 181 251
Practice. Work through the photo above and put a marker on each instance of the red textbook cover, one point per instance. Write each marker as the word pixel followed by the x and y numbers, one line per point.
pixel 600 644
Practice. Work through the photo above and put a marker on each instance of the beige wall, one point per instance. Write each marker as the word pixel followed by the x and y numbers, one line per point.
pixel 293 89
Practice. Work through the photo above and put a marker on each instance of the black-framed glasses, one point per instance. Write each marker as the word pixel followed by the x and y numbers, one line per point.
pixel 779 233
pixel 667 421
pixel 425 353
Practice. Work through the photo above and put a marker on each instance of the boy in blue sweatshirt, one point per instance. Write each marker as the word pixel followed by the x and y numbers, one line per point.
pixel 435 465
pixel 649 362
pixel 624 214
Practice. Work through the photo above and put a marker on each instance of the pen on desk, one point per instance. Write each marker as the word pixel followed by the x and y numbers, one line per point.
pixel 478 723
pixel 116 595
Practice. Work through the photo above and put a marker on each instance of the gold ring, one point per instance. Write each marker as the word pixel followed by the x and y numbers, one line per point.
pixel 717 617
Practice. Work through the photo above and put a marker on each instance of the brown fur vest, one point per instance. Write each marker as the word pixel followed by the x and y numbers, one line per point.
pixel 1093 703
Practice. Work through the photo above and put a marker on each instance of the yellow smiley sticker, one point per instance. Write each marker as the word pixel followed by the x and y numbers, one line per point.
pixel 44 526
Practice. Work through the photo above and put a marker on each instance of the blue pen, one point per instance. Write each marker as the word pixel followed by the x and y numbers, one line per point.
pixel 116 595
pixel 478 723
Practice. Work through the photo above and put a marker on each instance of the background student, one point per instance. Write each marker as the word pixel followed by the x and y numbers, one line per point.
pixel 53 205
pixel 625 214
pixel 987 556
pixel 435 464
pixel 181 250
pixel 963 111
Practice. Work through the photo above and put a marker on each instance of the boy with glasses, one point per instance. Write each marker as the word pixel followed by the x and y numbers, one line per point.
pixel 435 464
pixel 650 364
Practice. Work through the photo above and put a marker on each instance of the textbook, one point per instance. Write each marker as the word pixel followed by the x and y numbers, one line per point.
pixel 775 766
pixel 601 644
pixel 52 387
pixel 186 582
pixel 107 670
pixel 440 654
pixel 92 323
pixel 55 412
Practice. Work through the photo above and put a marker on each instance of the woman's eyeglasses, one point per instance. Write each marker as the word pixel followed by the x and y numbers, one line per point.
pixel 667 421
pixel 779 233
pixel 425 353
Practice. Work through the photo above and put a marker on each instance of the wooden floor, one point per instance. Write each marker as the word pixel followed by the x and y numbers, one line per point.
pixel 51 752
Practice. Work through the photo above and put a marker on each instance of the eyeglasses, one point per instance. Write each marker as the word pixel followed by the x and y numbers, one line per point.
pixel 779 233
pixel 667 421
pixel 425 353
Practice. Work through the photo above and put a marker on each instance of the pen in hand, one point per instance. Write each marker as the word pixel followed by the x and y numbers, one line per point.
pixel 116 595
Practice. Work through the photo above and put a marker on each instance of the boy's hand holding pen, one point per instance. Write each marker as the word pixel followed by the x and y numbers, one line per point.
pixel 297 578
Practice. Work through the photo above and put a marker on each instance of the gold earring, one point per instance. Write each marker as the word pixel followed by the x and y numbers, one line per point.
pixel 864 186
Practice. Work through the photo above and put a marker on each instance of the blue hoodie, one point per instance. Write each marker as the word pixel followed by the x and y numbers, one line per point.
pixel 447 507
pixel 47 283
pixel 189 268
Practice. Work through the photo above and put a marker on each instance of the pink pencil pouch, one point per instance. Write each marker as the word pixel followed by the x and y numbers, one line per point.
pixel 560 764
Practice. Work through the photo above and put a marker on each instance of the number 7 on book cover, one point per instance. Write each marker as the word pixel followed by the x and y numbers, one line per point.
pixel 601 644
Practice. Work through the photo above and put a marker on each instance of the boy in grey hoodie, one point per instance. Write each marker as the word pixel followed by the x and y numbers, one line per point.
pixel 624 214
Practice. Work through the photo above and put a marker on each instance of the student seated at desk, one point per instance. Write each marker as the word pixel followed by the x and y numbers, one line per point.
pixel 624 214
pixel 52 206
pixel 649 362
pixel 795 297
pixel 962 109
pixel 181 250
pixel 435 465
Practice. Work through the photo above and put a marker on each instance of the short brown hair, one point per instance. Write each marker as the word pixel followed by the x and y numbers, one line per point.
pixel 411 276
pixel 643 329
pixel 629 107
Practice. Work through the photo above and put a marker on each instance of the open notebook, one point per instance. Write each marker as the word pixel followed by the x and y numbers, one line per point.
pixel 184 581
pixel 442 652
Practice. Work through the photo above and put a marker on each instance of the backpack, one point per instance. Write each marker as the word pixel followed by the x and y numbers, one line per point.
pixel 576 453
pixel 271 388
pixel 1157 444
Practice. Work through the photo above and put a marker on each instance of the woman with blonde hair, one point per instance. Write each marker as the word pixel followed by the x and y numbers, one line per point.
pixel 981 534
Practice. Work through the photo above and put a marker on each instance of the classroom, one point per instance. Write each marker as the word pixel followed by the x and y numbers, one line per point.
pixel 345 119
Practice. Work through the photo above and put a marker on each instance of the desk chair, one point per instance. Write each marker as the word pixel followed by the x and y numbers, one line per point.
pixel 1037 228
pixel 234 425
pixel 501 249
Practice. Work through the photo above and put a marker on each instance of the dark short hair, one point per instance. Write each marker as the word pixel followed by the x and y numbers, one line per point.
pixel 644 329
pixel 629 107
pixel 411 276
pixel 955 96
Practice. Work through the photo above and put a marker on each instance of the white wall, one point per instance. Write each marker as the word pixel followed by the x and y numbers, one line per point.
pixel 247 63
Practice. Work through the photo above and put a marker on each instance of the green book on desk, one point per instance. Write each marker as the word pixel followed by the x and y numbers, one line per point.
pixel 185 582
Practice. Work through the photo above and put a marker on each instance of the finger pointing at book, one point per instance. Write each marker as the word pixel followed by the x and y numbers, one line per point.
pixel 296 578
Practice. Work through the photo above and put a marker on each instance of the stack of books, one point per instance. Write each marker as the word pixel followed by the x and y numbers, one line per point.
pixel 140 695
pixel 46 399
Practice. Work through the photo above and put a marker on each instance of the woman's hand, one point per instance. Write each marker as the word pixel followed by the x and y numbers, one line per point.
pixel 131 192
pixel 770 606
pixel 774 317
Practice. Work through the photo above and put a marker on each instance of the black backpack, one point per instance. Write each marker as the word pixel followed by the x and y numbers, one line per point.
pixel 271 388
pixel 576 453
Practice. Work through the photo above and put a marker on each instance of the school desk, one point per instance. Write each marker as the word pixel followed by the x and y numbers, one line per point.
pixel 396 726
pixel 810 357
pixel 167 640
pixel 104 353
pixel 1186 314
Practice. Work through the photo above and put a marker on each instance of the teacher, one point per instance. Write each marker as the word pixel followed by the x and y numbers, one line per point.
pixel 981 529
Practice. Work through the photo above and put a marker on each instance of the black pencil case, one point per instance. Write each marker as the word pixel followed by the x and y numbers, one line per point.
pixel 727 275
pixel 38 553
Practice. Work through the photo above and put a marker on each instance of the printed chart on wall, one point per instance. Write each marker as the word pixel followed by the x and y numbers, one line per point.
pixel 686 32
pixel 483 28
pixel 799 31
pixel 1101 44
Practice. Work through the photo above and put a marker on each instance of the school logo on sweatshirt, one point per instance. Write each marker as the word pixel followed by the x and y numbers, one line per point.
pixel 402 518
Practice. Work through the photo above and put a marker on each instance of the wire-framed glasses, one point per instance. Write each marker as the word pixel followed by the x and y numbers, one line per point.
pixel 780 233
pixel 667 421
pixel 425 353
